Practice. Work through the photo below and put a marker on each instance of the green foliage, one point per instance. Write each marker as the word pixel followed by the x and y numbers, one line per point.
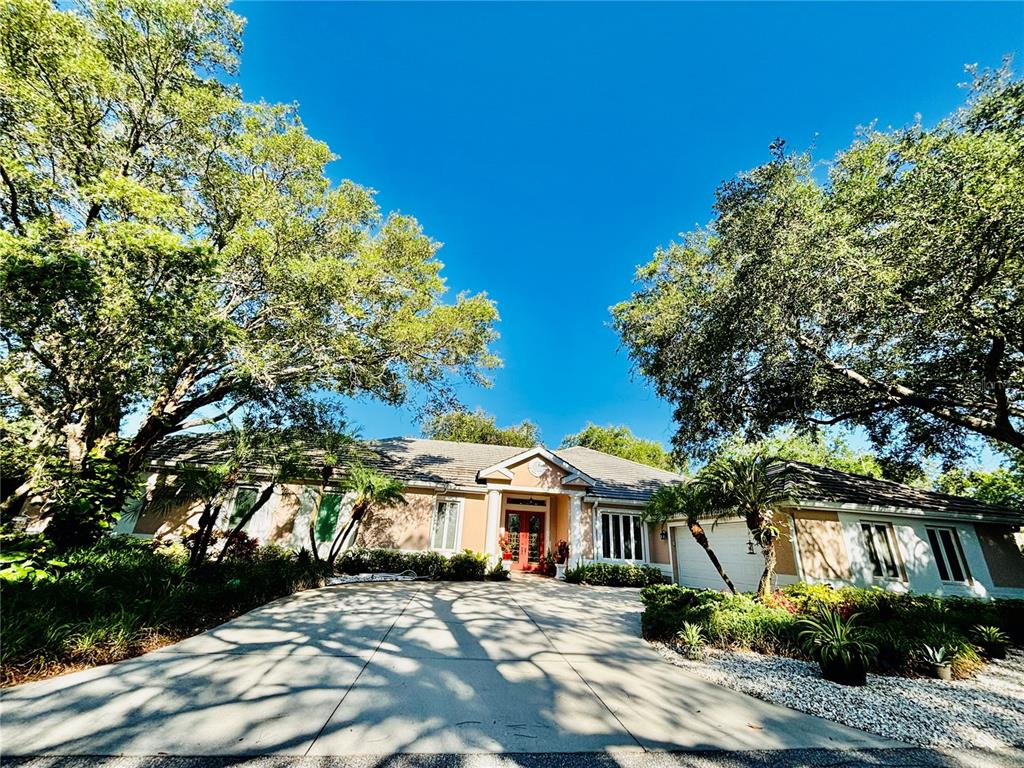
pixel 829 639
pixel 938 656
pixel 120 594
pixel 614 575
pixel 820 449
pixel 620 441
pixel 896 625
pixel 28 558
pixel 169 248
pixel 497 573
pixel 1003 485
pixel 691 638
pixel 480 427
pixel 885 297
pixel 988 635
pixel 461 566
pixel 87 499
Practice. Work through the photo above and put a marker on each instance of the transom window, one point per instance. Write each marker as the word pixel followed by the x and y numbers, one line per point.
pixel 621 537
pixel 444 531
pixel 880 544
pixel 948 554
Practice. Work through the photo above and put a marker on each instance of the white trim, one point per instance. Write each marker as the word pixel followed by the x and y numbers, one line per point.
pixel 544 453
pixel 459 502
pixel 905 512
pixel 615 502
pixel 529 489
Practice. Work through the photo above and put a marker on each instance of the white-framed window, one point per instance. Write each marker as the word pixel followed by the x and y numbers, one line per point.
pixel 444 529
pixel 949 555
pixel 879 543
pixel 620 536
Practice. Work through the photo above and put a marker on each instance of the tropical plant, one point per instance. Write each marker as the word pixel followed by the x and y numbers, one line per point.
pixel 937 655
pixel 753 487
pixel 685 501
pixel 479 427
pixel 691 638
pixel 989 635
pixel 620 441
pixel 169 249
pixel 881 293
pixel 562 551
pixel 369 489
pixel 28 557
pixel 838 645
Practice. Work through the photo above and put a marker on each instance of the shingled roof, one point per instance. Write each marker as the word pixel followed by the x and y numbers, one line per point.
pixel 822 484
pixel 443 462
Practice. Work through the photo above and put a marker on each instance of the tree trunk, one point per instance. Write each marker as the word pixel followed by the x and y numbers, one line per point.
pixel 764 586
pixel 346 534
pixel 264 497
pixel 325 475
pixel 207 521
pixel 697 531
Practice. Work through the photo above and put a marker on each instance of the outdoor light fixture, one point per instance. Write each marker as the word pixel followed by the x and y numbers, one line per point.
pixel 663 535
pixel 750 546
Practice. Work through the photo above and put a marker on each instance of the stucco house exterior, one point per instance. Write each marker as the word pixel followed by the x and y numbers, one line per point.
pixel 842 528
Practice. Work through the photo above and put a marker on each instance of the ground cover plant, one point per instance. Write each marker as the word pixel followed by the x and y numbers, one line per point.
pixel 123 596
pixel 614 575
pixel 897 626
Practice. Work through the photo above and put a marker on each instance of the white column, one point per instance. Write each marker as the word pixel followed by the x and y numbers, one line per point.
pixel 493 515
pixel 575 529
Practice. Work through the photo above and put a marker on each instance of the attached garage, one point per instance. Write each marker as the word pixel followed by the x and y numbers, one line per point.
pixel 693 568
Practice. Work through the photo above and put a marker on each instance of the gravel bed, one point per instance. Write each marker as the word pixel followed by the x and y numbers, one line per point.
pixel 986 711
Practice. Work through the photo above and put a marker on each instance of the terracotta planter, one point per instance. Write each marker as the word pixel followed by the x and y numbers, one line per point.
pixel 942 671
pixel 854 673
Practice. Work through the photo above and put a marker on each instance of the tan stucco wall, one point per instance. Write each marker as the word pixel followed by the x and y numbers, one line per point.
pixel 587 532
pixel 785 562
pixel 1002 555
pixel 404 527
pixel 659 549
pixel 552 477
pixel 819 537
pixel 560 521
pixel 474 522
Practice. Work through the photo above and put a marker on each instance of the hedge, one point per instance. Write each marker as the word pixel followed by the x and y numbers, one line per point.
pixel 462 566
pixel 613 575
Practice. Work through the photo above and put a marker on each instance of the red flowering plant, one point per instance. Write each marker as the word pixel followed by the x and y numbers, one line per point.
pixel 505 542
pixel 778 599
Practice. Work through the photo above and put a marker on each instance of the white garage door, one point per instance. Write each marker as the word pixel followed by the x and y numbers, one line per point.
pixel 729 542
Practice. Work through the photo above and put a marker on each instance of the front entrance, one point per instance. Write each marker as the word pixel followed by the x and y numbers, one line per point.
pixel 525 530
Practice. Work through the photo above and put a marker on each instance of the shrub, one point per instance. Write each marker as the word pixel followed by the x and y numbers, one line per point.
pixel 614 575
pixel 738 621
pixel 466 566
pixel 497 573
pixel 664 609
pixel 462 566
pixel 691 638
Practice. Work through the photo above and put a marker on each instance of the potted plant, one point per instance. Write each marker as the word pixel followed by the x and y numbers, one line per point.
pixel 838 647
pixel 505 542
pixel 992 641
pixel 939 662
pixel 561 558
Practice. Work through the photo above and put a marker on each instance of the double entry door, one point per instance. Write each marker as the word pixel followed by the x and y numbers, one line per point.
pixel 526 535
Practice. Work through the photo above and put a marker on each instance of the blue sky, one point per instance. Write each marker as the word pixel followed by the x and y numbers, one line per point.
pixel 553 147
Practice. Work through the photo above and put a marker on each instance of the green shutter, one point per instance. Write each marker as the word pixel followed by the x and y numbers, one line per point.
pixel 327 520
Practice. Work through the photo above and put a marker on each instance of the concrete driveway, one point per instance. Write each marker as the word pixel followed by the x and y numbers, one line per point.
pixel 528 666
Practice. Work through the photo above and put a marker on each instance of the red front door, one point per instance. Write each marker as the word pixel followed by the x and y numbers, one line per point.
pixel 526 535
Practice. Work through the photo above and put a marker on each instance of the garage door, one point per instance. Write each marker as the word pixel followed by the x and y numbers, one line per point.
pixel 729 542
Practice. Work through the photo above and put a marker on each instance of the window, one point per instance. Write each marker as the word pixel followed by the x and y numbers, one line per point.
pixel 621 537
pixel 445 530
pixel 880 544
pixel 948 554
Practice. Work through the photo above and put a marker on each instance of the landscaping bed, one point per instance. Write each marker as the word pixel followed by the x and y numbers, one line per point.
pixel 983 712
pixel 122 597
pixel 614 575
pixel 898 626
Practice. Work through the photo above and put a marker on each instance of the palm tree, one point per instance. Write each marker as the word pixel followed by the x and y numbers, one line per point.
pixel 687 501
pixel 753 487
pixel 371 489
